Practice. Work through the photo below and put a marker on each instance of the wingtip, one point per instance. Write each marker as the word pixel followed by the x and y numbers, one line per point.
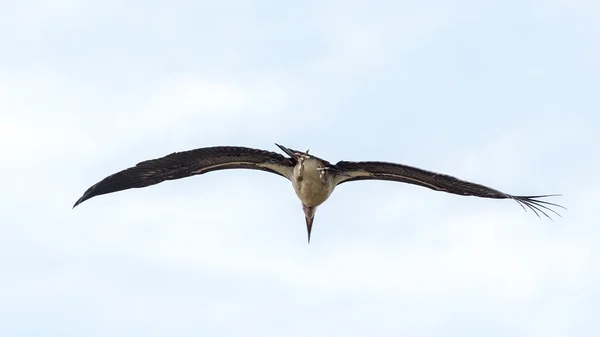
pixel 79 201
pixel 286 150
pixel 283 148
pixel 536 205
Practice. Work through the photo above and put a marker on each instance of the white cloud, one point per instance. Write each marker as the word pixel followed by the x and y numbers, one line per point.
pixel 478 254
pixel 193 99
pixel 33 15
pixel 49 118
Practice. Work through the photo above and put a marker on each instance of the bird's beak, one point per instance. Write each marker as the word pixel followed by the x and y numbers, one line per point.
pixel 309 222
pixel 309 214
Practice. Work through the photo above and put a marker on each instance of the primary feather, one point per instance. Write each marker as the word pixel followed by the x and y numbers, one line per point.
pixel 373 170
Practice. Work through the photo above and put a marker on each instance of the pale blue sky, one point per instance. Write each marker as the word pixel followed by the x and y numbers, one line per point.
pixel 502 93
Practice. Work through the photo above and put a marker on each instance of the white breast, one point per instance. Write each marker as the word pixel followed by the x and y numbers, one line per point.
pixel 309 186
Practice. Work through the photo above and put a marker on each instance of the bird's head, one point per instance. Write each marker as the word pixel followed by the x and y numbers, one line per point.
pixel 309 214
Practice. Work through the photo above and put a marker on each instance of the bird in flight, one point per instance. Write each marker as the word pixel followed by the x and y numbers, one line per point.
pixel 313 178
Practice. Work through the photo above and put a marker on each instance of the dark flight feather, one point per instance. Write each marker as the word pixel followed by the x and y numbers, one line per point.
pixel 436 181
pixel 185 164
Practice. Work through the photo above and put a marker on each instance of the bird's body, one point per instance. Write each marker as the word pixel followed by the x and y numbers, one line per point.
pixel 313 179
pixel 312 184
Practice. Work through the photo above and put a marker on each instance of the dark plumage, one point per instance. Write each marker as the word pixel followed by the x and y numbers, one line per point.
pixel 438 182
pixel 185 164
pixel 313 178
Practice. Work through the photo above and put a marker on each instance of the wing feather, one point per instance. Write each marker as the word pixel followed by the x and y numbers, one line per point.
pixel 188 163
pixel 371 170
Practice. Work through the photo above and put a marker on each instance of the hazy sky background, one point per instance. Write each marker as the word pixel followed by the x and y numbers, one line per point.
pixel 503 93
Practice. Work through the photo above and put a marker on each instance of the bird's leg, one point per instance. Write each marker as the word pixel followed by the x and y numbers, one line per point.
pixel 303 156
pixel 322 171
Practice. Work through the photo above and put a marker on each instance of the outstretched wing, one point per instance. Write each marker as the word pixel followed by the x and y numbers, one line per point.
pixel 370 170
pixel 188 163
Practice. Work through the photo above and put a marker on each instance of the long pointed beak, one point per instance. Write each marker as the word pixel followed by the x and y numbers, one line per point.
pixel 309 215
pixel 309 222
